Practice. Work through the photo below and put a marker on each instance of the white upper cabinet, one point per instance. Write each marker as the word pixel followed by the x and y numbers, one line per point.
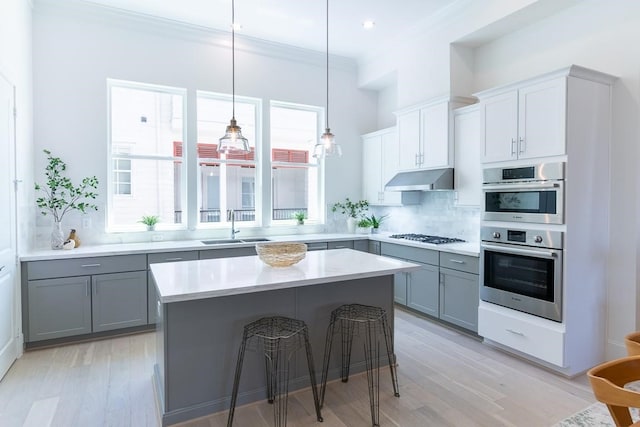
pixel 380 159
pixel 524 122
pixel 425 133
pixel 467 172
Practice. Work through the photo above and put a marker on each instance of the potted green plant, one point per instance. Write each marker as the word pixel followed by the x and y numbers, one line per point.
pixel 364 225
pixel 353 210
pixel 376 221
pixel 150 221
pixel 61 196
pixel 300 217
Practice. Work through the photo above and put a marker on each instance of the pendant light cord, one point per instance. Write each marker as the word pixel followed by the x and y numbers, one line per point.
pixel 233 59
pixel 327 124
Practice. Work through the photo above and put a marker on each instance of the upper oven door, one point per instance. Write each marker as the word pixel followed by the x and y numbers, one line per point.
pixel 537 202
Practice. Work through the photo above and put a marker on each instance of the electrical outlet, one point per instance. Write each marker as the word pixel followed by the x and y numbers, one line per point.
pixel 86 222
pixel 157 238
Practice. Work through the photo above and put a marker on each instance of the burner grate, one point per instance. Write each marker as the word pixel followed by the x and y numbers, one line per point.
pixel 426 238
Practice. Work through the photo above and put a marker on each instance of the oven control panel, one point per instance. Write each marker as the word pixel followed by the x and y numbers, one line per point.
pixel 523 236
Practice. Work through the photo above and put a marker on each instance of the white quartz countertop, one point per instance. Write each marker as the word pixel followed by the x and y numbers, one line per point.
pixel 84 251
pixel 192 280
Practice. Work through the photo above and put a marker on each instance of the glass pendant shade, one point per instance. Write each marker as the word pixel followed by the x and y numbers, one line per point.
pixel 327 146
pixel 233 141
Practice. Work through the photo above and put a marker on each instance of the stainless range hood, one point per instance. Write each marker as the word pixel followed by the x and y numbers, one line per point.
pixel 422 180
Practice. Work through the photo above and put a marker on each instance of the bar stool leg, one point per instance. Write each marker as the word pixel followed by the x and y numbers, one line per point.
pixel 269 361
pixel 347 328
pixel 236 379
pixel 390 355
pixel 327 356
pixel 312 374
pixel 281 387
pixel 372 360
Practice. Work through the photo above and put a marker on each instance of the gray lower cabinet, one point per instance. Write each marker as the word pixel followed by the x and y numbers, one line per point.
pixel 459 297
pixel 374 247
pixel 152 294
pixel 340 244
pixel 119 300
pixel 446 286
pixel 227 252
pixel 361 245
pixel 59 307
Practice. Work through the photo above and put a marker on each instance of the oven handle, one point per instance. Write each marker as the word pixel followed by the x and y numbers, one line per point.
pixel 521 186
pixel 521 251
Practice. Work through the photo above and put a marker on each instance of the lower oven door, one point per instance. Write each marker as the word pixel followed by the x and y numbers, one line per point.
pixel 522 278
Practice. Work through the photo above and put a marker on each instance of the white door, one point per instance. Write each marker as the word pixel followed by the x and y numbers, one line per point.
pixel 434 134
pixel 8 262
pixel 500 127
pixel 409 137
pixel 371 172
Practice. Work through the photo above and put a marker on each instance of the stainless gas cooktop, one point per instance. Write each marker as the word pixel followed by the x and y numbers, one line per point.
pixel 425 238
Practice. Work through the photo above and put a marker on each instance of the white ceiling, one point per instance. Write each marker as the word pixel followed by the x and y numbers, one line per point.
pixel 299 23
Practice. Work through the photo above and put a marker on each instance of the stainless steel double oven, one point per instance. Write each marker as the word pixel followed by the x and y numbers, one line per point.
pixel 521 265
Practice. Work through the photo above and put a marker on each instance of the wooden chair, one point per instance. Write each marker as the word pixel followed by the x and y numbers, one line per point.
pixel 608 380
pixel 632 342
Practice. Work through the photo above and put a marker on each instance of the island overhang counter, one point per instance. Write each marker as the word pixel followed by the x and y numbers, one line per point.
pixel 204 305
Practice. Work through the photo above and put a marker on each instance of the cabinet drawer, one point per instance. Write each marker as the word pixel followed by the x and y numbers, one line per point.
pixel 227 252
pixel 426 256
pixel 458 262
pixel 171 257
pixel 85 266
pixel 530 335
pixel 317 246
pixel 348 244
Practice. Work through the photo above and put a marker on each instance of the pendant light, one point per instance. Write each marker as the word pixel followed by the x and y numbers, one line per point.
pixel 233 142
pixel 327 146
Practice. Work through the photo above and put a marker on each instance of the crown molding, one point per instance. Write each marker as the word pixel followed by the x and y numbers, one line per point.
pixel 134 21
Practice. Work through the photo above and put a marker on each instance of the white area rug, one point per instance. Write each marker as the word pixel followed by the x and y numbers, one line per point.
pixel 596 415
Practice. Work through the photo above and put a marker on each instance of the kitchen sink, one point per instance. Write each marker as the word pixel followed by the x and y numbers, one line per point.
pixel 227 241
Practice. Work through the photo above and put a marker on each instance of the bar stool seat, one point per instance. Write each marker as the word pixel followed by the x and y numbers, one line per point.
pixel 279 337
pixel 370 322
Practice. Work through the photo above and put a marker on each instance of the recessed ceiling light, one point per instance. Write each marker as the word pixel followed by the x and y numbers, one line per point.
pixel 367 25
pixel 236 26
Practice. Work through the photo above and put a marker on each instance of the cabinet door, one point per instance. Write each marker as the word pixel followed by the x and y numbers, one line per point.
pixel 374 247
pixel 500 127
pixel 390 157
pixel 423 289
pixel 459 298
pixel 434 135
pixel 152 294
pixel 372 169
pixel 119 300
pixel 400 288
pixel 467 171
pixel 542 119
pixel 409 139
pixel 59 308
pixel 361 245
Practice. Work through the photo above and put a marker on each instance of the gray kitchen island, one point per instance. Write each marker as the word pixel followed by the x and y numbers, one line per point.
pixel 203 306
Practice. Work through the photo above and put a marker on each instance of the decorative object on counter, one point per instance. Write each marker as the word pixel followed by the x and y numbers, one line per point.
pixel 375 222
pixel 326 146
pixel 69 244
pixel 364 226
pixel 61 196
pixel 300 217
pixel 73 236
pixel 281 254
pixel 353 210
pixel 150 221
pixel 233 142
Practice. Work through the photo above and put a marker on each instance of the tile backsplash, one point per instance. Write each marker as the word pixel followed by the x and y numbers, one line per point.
pixel 436 214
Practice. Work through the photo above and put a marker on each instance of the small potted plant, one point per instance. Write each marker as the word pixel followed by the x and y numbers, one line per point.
pixel 375 222
pixel 364 225
pixel 353 210
pixel 150 221
pixel 61 196
pixel 300 217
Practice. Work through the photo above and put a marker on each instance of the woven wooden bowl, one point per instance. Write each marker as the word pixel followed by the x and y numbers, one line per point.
pixel 281 254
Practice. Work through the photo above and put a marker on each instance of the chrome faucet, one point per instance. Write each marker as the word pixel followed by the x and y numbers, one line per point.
pixel 231 216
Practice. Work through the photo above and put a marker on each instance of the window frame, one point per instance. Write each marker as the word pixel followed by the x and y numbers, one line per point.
pixel 170 90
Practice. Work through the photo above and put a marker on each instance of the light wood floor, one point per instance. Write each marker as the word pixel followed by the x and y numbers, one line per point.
pixel 446 379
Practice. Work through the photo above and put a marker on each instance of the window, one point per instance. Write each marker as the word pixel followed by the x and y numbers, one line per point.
pixel 226 182
pixel 295 173
pixel 145 120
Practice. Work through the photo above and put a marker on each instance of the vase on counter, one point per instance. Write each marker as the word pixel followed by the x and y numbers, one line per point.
pixel 57 238
pixel 351 224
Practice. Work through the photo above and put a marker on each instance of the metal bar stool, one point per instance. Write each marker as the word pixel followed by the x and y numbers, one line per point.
pixel 371 322
pixel 279 338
